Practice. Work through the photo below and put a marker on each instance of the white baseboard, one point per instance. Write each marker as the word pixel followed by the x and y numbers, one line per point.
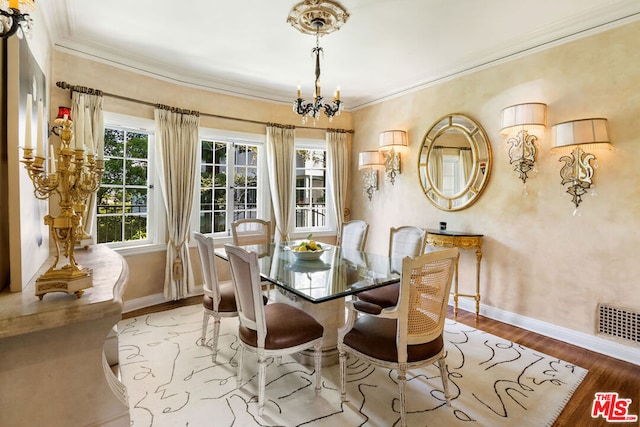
pixel 628 353
pixel 144 302
pixel 155 299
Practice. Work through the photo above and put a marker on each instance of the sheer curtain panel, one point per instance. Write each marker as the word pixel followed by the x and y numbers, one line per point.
pixel 94 124
pixel 280 149
pixel 177 141
pixel 338 150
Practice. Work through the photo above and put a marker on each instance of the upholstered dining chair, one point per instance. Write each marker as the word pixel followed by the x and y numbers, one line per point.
pixel 251 231
pixel 354 235
pixel 269 331
pixel 403 241
pixel 408 335
pixel 218 300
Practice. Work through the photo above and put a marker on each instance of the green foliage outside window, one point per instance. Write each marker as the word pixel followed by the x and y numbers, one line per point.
pixel 122 199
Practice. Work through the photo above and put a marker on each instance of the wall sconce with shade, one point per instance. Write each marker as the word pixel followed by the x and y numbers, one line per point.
pixel 522 123
pixel 64 114
pixel 389 140
pixel 15 18
pixel 578 135
pixel 367 162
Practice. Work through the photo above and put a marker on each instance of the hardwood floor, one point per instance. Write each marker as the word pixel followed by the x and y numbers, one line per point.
pixel 606 374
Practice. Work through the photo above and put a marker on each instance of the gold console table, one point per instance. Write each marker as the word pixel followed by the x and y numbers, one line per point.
pixel 461 240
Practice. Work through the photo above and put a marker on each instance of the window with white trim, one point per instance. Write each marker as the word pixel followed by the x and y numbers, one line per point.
pixel 230 184
pixel 129 212
pixel 313 203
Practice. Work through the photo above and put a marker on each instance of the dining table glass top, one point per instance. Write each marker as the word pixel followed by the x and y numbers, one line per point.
pixel 334 274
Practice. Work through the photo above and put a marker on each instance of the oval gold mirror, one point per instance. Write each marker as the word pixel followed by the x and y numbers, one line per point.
pixel 454 162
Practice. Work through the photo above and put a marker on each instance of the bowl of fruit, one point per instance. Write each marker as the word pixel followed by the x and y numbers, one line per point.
pixel 307 249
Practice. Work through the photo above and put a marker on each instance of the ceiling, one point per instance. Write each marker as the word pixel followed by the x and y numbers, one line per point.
pixel 386 47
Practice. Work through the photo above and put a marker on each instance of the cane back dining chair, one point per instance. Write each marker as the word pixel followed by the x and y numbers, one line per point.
pixel 271 330
pixel 408 335
pixel 354 235
pixel 403 241
pixel 218 300
pixel 251 231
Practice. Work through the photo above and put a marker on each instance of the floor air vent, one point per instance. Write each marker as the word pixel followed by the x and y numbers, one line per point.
pixel 619 322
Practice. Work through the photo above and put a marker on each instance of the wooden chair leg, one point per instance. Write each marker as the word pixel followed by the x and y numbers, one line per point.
pixel 318 365
pixel 343 374
pixel 216 334
pixel 239 369
pixel 262 379
pixel 205 321
pixel 442 364
pixel 402 385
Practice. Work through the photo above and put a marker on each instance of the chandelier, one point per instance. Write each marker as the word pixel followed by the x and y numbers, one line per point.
pixel 318 17
pixel 14 17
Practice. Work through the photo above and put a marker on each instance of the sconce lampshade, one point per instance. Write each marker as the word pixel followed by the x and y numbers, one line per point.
pixel 579 132
pixel 391 138
pixel 529 114
pixel 63 111
pixel 367 159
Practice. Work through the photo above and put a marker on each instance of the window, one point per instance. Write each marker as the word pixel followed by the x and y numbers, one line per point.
pixel 311 187
pixel 224 198
pixel 124 209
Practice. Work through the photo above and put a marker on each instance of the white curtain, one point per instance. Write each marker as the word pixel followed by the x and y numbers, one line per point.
pixel 435 165
pixel 92 100
pixel 177 142
pixel 338 153
pixel 466 164
pixel 280 150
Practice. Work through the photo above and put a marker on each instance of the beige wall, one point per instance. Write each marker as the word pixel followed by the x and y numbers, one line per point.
pixel 539 261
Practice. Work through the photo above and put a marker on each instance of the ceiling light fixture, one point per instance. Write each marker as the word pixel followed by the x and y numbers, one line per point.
pixel 319 18
pixel 14 16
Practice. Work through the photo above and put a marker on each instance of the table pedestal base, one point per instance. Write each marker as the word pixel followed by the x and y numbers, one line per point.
pixel 330 314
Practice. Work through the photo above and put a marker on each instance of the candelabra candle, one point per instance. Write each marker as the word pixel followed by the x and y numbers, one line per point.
pixel 73 180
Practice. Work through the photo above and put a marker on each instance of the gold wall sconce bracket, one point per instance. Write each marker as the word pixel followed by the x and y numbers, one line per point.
pixel 389 141
pixel 520 123
pixel 579 165
pixel 368 161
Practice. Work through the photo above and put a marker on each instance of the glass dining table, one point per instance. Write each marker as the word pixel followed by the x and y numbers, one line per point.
pixel 336 273
pixel 319 286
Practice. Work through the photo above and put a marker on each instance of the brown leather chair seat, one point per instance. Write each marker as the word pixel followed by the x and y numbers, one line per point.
pixel 383 297
pixel 287 327
pixel 376 337
pixel 227 299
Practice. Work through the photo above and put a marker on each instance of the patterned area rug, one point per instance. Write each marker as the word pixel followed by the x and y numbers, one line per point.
pixel 171 381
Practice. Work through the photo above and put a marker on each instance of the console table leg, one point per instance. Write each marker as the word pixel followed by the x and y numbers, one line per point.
pixel 478 259
pixel 455 293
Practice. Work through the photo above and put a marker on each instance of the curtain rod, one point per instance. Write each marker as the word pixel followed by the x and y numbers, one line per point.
pixel 84 89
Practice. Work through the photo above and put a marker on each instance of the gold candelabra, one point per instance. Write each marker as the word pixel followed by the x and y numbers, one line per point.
pixel 74 179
